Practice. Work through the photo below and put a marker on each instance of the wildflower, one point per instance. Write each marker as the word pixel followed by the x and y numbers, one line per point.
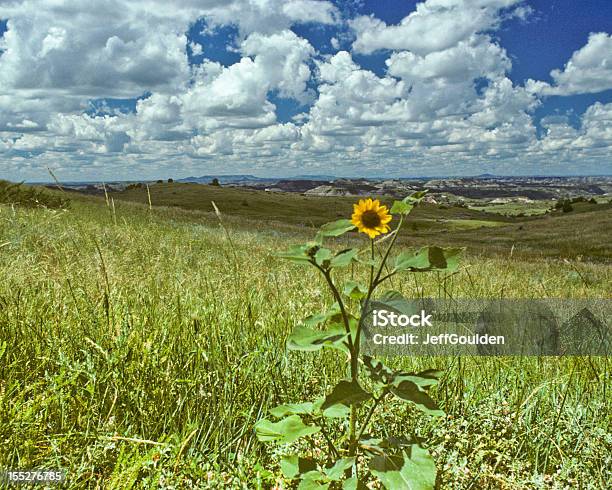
pixel 370 217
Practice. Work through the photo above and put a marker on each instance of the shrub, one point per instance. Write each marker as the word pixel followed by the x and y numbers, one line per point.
pixel 29 196
pixel 564 205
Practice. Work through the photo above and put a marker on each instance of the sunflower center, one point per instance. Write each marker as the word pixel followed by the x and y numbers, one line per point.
pixel 370 219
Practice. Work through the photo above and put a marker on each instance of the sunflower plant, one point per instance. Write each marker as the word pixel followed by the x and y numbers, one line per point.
pixel 354 453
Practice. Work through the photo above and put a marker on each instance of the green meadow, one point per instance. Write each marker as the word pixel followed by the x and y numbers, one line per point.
pixel 139 345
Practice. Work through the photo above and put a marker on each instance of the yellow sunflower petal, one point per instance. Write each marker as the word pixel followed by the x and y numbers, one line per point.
pixel 371 217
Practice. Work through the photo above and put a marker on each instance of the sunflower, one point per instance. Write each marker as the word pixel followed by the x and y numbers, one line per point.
pixel 370 217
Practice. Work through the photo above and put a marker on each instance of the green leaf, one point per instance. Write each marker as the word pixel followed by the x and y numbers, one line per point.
pixel 414 472
pixel 336 472
pixel 293 466
pixel 451 256
pixel 417 196
pixel 344 257
pixel 406 205
pixel 335 336
pixel 381 446
pixel 378 372
pixel 382 375
pixel 409 260
pixel 354 290
pixel 409 391
pixel 436 258
pixel 396 302
pixel 353 484
pixel 424 379
pixel 313 480
pixel 285 431
pixel 369 261
pixel 372 445
pixel 323 257
pixel 331 314
pixel 306 339
pixel 306 408
pixel 428 259
pixel 336 228
pixel 315 319
pixel 300 253
pixel 310 408
pixel 333 412
pixel 336 412
pixel 401 207
pixel 346 393
pixel 431 374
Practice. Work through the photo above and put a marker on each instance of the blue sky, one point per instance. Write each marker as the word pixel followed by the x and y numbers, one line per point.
pixel 280 88
pixel 546 42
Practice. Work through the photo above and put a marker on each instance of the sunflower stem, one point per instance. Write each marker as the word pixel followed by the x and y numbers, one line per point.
pixel 374 281
pixel 372 264
pixel 386 256
pixel 338 298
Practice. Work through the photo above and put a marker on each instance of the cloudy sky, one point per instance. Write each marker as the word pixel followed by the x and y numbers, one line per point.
pixel 139 89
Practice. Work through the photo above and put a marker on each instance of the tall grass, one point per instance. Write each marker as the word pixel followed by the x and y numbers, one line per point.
pixel 133 354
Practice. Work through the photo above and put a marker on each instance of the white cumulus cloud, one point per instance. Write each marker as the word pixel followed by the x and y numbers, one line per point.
pixel 435 25
pixel 443 101
pixel 589 70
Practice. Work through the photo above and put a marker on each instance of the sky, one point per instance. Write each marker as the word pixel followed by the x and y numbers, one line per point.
pixel 146 89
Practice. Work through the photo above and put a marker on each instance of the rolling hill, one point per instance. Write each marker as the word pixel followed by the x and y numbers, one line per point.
pixel 584 232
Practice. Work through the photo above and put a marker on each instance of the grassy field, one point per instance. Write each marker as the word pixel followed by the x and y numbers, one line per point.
pixel 533 208
pixel 288 208
pixel 138 347
pixel 557 235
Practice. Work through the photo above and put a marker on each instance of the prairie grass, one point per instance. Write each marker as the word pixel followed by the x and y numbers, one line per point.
pixel 133 354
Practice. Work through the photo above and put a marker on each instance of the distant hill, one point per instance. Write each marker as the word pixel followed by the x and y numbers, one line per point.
pixel 245 179
pixel 227 179
pixel 312 177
